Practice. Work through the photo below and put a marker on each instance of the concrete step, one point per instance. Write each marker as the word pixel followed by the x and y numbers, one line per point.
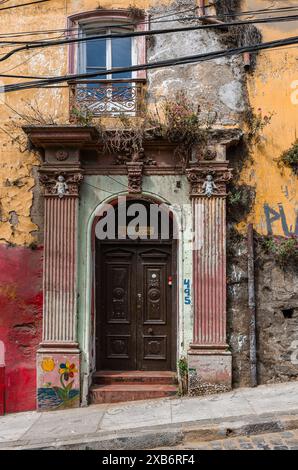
pixel 115 393
pixel 108 377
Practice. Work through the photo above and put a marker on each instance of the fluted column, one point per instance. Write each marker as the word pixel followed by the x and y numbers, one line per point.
pixel 209 260
pixel 58 358
pixel 60 264
pixel 209 358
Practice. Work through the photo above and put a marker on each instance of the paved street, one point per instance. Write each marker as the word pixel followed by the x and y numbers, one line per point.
pixel 287 440
pixel 162 422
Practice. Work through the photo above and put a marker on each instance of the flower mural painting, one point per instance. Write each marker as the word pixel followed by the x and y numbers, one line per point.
pixel 66 371
pixel 59 385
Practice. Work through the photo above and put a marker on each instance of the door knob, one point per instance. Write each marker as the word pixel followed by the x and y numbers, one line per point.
pixel 150 331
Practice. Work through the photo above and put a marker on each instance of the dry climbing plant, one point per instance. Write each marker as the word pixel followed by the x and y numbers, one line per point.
pixel 32 116
pixel 178 121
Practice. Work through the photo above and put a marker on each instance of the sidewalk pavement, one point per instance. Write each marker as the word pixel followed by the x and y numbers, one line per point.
pixel 155 423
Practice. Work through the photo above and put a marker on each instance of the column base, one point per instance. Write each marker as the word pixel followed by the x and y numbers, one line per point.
pixel 58 378
pixel 209 371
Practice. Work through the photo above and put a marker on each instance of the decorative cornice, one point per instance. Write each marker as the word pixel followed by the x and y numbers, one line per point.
pixel 209 179
pixel 87 136
pixel 61 136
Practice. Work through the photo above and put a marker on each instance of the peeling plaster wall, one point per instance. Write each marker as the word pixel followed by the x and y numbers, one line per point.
pixel 20 323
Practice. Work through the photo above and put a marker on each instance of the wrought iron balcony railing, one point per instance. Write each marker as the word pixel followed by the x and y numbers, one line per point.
pixel 112 97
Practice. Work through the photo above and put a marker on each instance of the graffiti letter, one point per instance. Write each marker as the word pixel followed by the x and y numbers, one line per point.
pixel 271 216
pixel 284 221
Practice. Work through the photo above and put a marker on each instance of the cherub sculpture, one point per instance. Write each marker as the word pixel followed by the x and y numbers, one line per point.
pixel 61 186
pixel 209 186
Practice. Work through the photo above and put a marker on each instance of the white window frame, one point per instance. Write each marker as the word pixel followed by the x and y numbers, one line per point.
pixel 82 52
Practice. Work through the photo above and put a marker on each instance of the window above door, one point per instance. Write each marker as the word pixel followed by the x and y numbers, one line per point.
pixel 107 93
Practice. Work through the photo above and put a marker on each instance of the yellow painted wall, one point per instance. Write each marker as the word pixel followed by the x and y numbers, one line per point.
pixel 269 88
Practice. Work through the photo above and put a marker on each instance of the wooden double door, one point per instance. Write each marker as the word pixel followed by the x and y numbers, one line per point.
pixel 136 323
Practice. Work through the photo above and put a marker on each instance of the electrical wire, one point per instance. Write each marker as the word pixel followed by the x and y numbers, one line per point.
pixel 158 64
pixel 21 63
pixel 23 5
pixel 261 11
pixel 276 19
pixel 131 23
pixel 116 181
pixel 151 20
pixel 97 187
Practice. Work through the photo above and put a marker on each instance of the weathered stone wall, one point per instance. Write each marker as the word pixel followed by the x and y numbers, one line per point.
pixel 276 290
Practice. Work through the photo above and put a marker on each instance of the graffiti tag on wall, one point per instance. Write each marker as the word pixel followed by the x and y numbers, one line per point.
pixel 273 216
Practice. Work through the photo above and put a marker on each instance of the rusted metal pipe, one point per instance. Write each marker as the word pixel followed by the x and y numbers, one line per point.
pixel 207 20
pixel 201 7
pixel 252 307
pixel 246 60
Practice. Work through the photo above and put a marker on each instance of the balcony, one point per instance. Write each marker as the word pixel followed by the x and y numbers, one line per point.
pixel 108 97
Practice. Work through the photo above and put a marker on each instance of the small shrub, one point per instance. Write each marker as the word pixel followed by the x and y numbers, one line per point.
pixel 285 250
pixel 135 12
pixel 184 126
pixel 257 123
pixel 183 375
pixel 82 116
pixel 289 158
pixel 240 201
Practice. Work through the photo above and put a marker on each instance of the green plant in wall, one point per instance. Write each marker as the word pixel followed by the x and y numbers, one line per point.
pixel 240 200
pixel 82 116
pixel 289 158
pixel 183 124
pixel 135 12
pixel 256 124
pixel 284 250
pixel 180 122
pixel 183 375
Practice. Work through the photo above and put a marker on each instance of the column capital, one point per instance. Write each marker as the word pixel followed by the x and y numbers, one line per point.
pixel 61 182
pixel 209 179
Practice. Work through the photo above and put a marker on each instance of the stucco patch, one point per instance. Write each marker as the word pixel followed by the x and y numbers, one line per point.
pixel 231 94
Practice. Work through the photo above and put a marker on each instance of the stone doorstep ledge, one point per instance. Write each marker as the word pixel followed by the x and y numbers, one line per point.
pixel 166 435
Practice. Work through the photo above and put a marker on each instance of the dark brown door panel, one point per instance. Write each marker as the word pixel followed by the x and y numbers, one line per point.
pixel 135 320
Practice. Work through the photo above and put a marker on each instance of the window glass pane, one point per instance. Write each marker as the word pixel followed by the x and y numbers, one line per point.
pixel 95 69
pixel 121 55
pixel 96 53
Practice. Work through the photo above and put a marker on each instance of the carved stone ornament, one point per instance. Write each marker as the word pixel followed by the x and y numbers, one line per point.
pixel 210 154
pixel 133 158
pixel 61 187
pixel 61 184
pixel 208 181
pixel 62 155
pixel 135 177
pixel 209 186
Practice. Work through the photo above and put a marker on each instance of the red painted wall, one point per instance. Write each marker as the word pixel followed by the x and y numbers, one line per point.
pixel 20 323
